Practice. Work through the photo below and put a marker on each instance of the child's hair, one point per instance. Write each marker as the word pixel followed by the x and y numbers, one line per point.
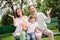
pixel 32 16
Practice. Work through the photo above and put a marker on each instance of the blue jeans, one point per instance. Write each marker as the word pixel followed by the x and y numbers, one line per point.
pixel 30 36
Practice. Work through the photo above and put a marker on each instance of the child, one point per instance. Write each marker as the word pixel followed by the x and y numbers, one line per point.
pixel 32 27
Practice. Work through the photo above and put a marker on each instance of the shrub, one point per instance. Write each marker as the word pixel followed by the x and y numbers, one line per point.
pixel 26 11
pixel 6 20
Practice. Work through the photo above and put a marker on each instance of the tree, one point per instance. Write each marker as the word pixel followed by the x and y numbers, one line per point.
pixel 55 4
pixel 6 20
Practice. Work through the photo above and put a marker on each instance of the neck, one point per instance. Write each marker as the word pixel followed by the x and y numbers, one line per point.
pixel 34 13
pixel 21 16
pixel 31 22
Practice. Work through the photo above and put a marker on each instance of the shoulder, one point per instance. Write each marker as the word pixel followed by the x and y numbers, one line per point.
pixel 36 23
pixel 40 13
pixel 25 16
pixel 18 20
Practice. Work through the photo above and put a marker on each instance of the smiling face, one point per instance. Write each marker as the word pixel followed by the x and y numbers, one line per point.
pixel 32 19
pixel 19 12
pixel 32 10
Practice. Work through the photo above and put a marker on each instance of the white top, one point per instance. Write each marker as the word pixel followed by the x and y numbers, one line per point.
pixel 19 20
pixel 32 27
pixel 18 29
pixel 42 20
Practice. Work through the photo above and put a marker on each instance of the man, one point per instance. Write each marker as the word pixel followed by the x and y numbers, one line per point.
pixel 42 19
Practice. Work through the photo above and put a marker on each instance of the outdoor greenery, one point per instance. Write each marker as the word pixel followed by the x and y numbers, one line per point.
pixel 41 7
pixel 54 4
pixel 6 20
pixel 26 11
pixel 10 36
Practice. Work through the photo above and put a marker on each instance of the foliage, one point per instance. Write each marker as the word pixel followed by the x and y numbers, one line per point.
pixel 26 11
pixel 55 4
pixel 46 4
pixel 6 20
pixel 41 7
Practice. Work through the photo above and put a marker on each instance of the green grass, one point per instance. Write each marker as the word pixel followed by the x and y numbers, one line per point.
pixel 10 36
pixel 55 38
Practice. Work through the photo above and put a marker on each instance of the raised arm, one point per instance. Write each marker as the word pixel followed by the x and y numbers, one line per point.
pixel 48 13
pixel 12 18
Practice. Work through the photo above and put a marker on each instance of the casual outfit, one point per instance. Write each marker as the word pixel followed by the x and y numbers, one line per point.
pixel 42 20
pixel 19 31
pixel 31 30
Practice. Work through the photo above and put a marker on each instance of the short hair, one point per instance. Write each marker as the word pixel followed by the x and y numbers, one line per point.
pixel 30 6
pixel 33 16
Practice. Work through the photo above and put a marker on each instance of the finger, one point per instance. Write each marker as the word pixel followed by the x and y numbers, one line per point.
pixel 50 9
pixel 9 14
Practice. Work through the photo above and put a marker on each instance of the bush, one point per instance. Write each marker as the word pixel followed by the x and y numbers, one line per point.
pixel 26 11
pixel 6 20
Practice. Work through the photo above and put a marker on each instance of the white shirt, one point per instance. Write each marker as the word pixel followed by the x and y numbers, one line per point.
pixel 18 29
pixel 32 27
pixel 42 20
pixel 19 20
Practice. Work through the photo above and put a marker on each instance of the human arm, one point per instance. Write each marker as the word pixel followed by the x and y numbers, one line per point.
pixel 37 30
pixel 14 21
pixel 47 17
pixel 48 13
pixel 24 26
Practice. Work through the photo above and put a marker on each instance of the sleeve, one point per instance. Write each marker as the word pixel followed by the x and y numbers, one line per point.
pixel 37 24
pixel 27 17
pixel 17 22
pixel 45 18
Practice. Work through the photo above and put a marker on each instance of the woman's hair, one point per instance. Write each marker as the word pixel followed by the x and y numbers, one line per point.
pixel 32 16
pixel 17 14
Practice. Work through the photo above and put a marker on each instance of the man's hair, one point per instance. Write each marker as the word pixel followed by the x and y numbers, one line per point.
pixel 30 6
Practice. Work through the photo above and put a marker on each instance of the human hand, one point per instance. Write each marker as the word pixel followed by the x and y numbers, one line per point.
pixel 10 15
pixel 49 11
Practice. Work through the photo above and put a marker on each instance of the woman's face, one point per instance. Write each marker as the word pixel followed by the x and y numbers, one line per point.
pixel 19 12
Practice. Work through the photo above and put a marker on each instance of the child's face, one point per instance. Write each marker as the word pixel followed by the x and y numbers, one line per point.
pixel 32 20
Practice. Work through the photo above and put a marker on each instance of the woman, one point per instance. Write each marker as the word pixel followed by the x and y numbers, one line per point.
pixel 19 22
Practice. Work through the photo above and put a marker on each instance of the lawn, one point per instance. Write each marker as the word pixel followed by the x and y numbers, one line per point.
pixel 10 36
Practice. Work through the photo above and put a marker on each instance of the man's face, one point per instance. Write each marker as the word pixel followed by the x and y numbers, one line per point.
pixel 32 10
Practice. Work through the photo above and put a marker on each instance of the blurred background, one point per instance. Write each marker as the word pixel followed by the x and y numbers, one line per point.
pixel 9 6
